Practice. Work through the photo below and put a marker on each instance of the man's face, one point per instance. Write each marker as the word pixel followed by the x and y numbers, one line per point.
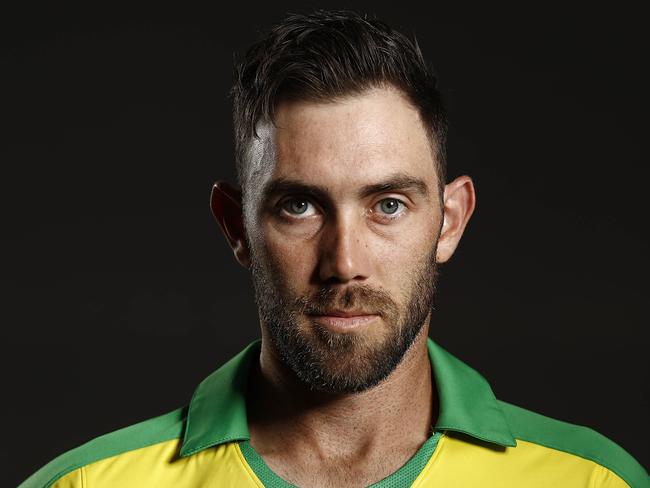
pixel 342 215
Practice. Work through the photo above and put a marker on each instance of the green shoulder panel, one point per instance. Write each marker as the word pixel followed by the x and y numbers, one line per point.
pixel 575 439
pixel 149 432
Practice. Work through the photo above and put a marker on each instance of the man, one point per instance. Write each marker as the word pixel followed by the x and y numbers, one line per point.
pixel 342 215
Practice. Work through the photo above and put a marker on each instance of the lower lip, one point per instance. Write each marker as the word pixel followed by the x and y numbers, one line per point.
pixel 344 323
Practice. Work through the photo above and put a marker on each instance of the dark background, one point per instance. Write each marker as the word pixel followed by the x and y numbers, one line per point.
pixel 119 294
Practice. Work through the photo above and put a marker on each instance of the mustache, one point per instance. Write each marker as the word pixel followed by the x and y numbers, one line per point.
pixel 357 297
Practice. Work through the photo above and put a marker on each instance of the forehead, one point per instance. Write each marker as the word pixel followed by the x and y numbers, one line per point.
pixel 347 142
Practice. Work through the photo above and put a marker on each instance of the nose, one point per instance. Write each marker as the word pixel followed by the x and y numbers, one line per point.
pixel 344 253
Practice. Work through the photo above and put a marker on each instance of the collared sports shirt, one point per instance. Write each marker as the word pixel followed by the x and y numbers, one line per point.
pixel 478 441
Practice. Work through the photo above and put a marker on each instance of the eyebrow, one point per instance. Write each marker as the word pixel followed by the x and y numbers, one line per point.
pixel 395 182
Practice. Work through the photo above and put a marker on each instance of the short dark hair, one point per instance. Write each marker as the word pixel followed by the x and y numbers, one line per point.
pixel 328 54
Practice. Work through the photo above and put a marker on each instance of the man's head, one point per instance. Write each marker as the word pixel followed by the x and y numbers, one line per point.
pixel 340 139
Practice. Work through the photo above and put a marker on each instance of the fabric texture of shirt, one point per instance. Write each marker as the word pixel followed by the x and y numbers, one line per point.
pixel 477 441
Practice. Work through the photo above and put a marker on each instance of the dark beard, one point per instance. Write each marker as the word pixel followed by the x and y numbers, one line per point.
pixel 342 362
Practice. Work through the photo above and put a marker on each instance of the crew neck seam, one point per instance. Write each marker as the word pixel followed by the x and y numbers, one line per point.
pixel 405 475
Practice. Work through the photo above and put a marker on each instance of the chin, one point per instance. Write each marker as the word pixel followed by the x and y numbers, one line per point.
pixel 349 362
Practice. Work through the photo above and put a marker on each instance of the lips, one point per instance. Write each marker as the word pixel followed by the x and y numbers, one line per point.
pixel 344 320
pixel 348 313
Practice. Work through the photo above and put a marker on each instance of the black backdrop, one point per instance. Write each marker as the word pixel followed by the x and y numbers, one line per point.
pixel 119 293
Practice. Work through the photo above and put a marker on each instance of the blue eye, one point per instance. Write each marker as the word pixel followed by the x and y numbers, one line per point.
pixel 297 206
pixel 390 205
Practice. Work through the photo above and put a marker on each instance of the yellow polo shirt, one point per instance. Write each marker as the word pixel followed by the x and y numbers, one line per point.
pixel 478 441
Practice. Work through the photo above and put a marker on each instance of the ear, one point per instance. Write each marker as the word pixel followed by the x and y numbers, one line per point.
pixel 459 202
pixel 226 205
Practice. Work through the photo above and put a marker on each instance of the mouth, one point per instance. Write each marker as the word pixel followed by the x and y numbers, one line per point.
pixel 344 321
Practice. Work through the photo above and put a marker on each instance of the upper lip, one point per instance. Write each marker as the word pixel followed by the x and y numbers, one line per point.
pixel 347 313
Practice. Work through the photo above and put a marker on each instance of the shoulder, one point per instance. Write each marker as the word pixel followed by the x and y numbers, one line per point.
pixel 576 440
pixel 143 434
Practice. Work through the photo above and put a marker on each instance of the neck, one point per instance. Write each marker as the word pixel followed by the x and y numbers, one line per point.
pixel 285 415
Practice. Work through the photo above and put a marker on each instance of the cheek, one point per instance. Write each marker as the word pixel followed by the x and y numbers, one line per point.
pixel 400 260
pixel 293 258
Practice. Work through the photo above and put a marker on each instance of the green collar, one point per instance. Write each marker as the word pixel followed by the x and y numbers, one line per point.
pixel 217 411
